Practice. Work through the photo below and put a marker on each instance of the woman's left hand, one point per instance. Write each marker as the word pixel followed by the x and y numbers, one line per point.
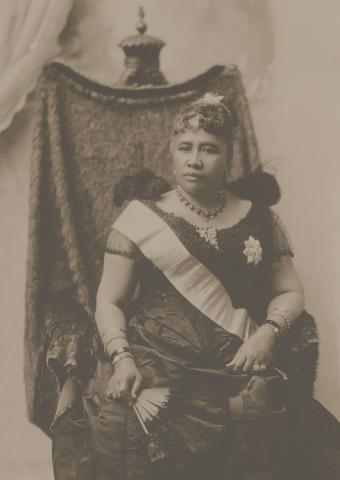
pixel 254 352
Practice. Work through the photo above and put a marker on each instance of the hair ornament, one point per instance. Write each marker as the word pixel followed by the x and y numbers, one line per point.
pixel 212 98
pixel 210 112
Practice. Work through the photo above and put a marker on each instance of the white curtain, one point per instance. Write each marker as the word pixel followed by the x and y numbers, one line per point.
pixel 29 31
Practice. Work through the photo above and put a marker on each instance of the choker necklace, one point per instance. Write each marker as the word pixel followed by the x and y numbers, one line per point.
pixel 207 214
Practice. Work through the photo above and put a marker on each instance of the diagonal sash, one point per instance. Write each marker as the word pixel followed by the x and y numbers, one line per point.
pixel 158 242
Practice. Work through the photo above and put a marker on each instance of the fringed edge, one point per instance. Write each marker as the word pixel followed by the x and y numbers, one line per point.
pixel 302 341
pixel 68 324
pixel 144 94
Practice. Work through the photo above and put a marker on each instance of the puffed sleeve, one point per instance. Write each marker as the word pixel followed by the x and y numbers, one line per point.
pixel 279 240
pixel 119 244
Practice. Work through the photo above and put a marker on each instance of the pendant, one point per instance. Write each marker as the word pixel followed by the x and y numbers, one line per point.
pixel 209 234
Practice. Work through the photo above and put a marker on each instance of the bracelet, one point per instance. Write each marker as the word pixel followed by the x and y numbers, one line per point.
pixel 119 351
pixel 274 326
pixel 110 341
pixel 121 357
pixel 279 315
pixel 283 313
pixel 282 317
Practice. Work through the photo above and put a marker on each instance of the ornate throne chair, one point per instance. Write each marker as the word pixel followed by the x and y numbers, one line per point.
pixel 87 136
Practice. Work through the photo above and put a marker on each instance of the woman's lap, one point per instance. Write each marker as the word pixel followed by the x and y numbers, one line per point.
pixel 249 443
pixel 197 429
pixel 116 448
pixel 251 449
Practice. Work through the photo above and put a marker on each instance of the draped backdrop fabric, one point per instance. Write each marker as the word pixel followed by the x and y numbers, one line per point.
pixel 29 31
pixel 87 136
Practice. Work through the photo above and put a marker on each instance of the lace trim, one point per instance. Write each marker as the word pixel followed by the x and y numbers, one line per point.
pixel 282 244
pixel 124 253
pixel 174 216
pixel 118 244
pixel 214 238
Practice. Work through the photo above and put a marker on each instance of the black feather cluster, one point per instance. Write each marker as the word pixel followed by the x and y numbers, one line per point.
pixel 259 187
pixel 144 185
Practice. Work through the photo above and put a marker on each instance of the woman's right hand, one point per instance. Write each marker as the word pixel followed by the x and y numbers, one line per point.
pixel 126 382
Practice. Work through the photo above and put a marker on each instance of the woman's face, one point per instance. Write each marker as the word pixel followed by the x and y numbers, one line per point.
pixel 200 161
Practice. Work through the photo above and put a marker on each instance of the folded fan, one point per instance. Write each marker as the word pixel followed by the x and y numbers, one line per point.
pixel 148 404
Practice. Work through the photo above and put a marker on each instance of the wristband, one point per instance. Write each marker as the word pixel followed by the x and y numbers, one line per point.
pixel 282 317
pixel 283 314
pixel 121 357
pixel 118 352
pixel 274 326
pixel 112 340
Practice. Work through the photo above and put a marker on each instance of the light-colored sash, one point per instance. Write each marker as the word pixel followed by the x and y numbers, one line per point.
pixel 188 275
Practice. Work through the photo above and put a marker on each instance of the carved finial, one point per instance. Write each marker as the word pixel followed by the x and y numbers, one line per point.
pixel 141 25
pixel 142 57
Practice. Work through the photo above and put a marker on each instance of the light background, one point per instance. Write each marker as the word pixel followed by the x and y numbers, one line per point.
pixel 289 53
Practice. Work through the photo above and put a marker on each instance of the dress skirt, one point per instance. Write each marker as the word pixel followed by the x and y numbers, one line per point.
pixel 235 419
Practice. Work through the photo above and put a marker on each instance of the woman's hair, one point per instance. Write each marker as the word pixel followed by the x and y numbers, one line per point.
pixel 211 113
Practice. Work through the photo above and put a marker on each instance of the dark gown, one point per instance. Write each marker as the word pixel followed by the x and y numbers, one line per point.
pixel 218 423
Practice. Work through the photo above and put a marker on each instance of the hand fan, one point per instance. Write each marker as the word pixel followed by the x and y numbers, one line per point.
pixel 147 406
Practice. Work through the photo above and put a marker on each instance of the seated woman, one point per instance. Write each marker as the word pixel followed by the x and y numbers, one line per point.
pixel 199 308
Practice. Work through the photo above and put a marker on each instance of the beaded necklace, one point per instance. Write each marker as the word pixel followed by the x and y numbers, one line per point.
pixel 207 214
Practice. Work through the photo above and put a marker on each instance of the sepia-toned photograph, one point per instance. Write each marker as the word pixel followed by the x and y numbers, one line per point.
pixel 170 235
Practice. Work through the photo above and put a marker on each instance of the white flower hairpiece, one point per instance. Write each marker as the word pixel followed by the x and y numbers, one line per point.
pixel 213 98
